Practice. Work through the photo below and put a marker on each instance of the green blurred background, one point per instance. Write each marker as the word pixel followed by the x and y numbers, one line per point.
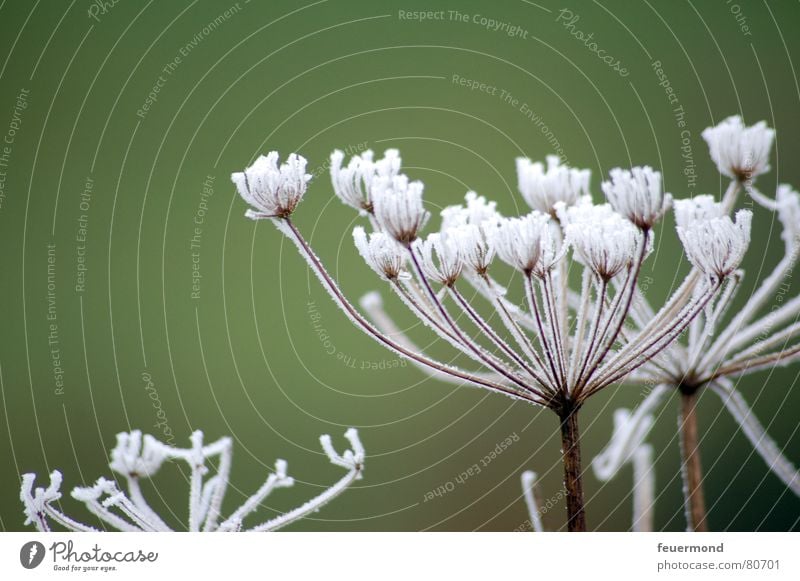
pixel 242 357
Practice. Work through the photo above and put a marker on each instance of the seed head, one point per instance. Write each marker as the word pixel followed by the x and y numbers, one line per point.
pixel 353 183
pixel 398 207
pixel 441 257
pixel 740 152
pixel 543 189
pixel 716 246
pixel 273 191
pixel 381 253
pixel 637 195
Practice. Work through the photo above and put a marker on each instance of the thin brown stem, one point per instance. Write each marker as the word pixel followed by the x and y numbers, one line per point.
pixel 571 456
pixel 692 468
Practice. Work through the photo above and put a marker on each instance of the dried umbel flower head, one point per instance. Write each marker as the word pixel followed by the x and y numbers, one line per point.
pixel 566 345
pixel 637 195
pixel 544 188
pixel 273 191
pixel 740 152
pixel 138 457
pixel 353 183
pixel 716 246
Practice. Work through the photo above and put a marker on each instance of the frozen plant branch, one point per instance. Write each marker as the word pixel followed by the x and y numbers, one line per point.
pixel 137 457
pixel 530 490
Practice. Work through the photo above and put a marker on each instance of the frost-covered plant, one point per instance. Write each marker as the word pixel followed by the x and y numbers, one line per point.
pixel 565 345
pixel 138 457
pixel 723 346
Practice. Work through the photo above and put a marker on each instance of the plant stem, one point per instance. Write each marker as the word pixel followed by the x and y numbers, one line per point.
pixel 571 455
pixel 692 468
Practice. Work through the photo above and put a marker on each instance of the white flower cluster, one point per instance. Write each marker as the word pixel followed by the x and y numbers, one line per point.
pixel 138 457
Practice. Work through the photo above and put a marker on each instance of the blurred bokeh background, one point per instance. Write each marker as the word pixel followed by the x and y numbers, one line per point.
pixel 166 298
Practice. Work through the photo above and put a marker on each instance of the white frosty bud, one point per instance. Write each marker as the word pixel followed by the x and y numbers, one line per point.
pixel 136 456
pixel 273 191
pixel 691 210
pixel 740 152
pixel 476 251
pixel 603 240
pixel 716 246
pixel 788 203
pixel 524 243
pixel 381 253
pixel 637 195
pixel 353 183
pixel 398 207
pixel 441 257
pixel 544 188
pixel 477 211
